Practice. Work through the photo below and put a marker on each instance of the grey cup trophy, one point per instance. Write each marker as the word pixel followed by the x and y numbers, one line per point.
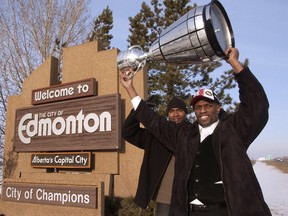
pixel 200 36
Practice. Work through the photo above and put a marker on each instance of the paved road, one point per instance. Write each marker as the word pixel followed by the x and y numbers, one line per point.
pixel 274 186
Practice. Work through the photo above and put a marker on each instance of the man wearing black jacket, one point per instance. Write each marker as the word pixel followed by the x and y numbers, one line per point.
pixel 229 185
pixel 157 169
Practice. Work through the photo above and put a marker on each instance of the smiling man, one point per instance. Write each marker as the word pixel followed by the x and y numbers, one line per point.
pixel 213 173
pixel 206 106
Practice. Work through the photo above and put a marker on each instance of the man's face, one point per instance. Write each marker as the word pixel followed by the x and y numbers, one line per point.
pixel 176 115
pixel 206 112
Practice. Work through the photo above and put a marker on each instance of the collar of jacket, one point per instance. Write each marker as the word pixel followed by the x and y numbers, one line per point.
pixel 222 114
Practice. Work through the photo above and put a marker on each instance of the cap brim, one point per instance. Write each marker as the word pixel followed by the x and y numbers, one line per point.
pixel 198 98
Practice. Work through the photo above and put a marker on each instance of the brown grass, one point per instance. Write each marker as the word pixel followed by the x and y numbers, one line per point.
pixel 282 166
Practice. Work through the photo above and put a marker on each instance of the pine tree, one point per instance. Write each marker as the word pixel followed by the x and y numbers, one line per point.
pixel 168 80
pixel 102 25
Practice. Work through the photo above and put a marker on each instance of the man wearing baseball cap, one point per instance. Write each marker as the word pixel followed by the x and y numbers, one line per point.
pixel 213 173
pixel 202 101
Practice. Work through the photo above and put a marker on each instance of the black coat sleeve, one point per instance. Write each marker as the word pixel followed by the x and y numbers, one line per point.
pixel 133 133
pixel 252 114
pixel 163 130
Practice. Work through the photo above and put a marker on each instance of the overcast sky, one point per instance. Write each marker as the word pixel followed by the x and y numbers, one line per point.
pixel 260 29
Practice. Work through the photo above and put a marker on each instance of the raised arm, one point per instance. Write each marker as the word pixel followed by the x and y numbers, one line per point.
pixel 252 114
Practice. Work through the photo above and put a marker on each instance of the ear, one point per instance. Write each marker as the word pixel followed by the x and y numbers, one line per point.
pixel 218 108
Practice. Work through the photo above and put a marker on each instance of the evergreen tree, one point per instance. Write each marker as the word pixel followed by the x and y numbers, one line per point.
pixel 168 80
pixel 102 25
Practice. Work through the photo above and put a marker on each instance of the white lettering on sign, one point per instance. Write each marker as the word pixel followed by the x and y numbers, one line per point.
pixel 58 126
pixel 60 159
pixel 36 160
pixel 81 160
pixel 46 195
pixel 13 193
pixel 44 95
pixel 70 160
pixel 43 195
pixel 58 93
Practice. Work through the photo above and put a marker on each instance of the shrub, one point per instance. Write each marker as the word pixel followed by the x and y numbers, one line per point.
pixel 116 206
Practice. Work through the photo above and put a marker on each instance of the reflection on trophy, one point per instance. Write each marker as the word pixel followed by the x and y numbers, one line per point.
pixel 200 36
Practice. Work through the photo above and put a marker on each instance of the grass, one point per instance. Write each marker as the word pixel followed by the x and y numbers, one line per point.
pixel 282 166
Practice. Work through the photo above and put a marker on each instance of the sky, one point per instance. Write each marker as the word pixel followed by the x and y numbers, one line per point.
pixel 260 30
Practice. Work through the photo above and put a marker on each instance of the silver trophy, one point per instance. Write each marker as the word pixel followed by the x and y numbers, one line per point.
pixel 200 36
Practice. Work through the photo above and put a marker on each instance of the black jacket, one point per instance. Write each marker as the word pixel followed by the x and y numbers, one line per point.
pixel 231 139
pixel 155 160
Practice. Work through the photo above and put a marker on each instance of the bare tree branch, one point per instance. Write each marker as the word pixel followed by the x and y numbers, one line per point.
pixel 30 32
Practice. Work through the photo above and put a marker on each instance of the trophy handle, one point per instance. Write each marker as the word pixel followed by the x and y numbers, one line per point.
pixel 131 61
pixel 135 46
pixel 131 72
